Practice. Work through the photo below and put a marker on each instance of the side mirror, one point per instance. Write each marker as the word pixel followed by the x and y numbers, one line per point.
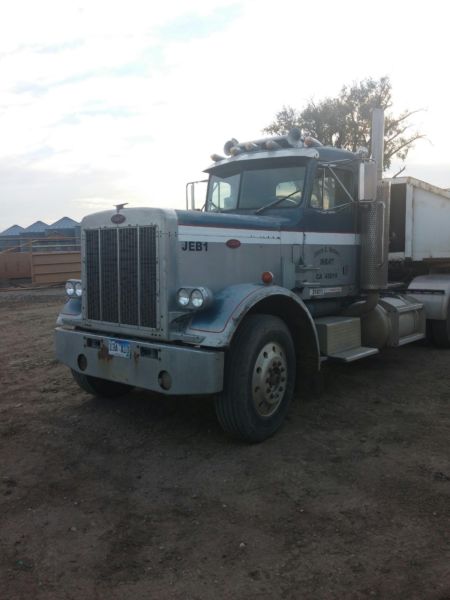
pixel 191 188
pixel 367 181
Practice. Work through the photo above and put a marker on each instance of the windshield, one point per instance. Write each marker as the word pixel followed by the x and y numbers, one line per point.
pixel 253 189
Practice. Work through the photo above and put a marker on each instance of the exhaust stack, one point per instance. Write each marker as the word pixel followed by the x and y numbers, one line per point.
pixel 374 218
pixel 378 140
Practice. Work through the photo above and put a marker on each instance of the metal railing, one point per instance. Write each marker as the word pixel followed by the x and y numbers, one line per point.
pixel 47 244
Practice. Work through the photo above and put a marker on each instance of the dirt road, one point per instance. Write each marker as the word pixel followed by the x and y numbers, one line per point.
pixel 146 498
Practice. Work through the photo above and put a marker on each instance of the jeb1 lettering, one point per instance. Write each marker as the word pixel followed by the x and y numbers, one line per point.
pixel 195 246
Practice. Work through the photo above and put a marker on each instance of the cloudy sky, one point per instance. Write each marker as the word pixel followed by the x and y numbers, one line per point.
pixel 105 101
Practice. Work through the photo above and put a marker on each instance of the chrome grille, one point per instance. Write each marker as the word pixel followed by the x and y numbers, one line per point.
pixel 121 275
pixel 109 277
pixel 93 274
pixel 147 252
pixel 128 269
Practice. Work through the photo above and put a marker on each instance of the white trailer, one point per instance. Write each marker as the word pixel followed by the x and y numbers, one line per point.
pixel 419 222
pixel 419 249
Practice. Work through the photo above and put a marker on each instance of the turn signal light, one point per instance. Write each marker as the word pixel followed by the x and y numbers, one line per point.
pixel 267 277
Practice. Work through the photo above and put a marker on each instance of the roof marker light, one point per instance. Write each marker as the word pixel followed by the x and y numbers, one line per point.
pixel 311 142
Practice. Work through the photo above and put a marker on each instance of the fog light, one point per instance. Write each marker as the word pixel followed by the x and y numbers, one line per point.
pixel 165 380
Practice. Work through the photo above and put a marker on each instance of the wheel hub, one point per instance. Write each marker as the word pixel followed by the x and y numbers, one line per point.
pixel 269 379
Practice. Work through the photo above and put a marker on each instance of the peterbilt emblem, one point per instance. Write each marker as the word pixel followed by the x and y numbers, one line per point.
pixel 118 218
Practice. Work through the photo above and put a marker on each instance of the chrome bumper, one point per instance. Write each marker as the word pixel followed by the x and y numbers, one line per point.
pixel 192 371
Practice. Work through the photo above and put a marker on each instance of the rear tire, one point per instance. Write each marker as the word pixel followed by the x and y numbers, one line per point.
pixel 259 379
pixel 440 331
pixel 101 387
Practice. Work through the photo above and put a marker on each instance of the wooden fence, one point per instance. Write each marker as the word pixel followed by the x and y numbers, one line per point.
pixel 47 261
pixel 55 267
pixel 15 265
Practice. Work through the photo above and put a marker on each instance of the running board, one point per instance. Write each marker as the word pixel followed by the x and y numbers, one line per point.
pixel 353 354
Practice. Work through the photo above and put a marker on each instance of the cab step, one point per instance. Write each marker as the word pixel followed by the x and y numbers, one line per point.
pixel 354 354
pixel 340 338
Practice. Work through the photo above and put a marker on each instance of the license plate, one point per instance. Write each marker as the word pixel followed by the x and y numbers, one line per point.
pixel 119 348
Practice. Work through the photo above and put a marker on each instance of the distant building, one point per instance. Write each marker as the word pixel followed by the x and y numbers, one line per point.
pixel 13 230
pixel 10 238
pixel 61 235
pixel 36 228
pixel 65 227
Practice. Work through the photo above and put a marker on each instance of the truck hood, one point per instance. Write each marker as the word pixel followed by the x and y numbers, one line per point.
pixel 235 221
pixel 144 216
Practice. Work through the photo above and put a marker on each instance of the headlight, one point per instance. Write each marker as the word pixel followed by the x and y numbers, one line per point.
pixel 197 299
pixel 183 297
pixel 70 289
pixel 74 289
pixel 194 298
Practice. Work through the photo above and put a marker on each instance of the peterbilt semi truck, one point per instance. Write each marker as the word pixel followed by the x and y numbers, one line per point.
pixel 287 264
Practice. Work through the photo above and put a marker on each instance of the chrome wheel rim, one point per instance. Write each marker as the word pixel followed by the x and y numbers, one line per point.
pixel 269 379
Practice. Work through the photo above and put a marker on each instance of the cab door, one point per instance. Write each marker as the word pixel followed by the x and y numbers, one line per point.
pixel 330 247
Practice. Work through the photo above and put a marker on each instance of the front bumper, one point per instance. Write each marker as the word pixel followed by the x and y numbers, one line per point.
pixel 192 370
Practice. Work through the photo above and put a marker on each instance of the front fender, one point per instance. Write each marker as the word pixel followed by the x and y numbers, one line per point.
pixel 71 313
pixel 218 324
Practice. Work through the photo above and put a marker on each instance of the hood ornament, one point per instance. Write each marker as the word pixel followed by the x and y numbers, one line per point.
pixel 119 218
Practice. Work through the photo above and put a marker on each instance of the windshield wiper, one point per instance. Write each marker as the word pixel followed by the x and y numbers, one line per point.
pixel 277 201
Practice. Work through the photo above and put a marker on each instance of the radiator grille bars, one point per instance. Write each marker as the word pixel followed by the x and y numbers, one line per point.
pixel 121 275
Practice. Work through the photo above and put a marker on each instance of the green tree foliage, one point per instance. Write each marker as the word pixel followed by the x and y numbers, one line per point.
pixel 345 121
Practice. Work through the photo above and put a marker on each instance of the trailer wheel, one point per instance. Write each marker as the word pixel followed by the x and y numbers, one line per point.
pixel 259 379
pixel 440 331
pixel 101 387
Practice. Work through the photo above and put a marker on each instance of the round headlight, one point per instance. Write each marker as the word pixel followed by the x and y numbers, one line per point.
pixel 78 289
pixel 183 297
pixel 70 289
pixel 197 299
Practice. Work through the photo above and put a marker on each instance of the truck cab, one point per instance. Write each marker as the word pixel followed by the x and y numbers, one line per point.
pixel 309 197
pixel 283 267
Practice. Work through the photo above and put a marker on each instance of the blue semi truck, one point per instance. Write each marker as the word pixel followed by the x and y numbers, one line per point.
pixel 286 264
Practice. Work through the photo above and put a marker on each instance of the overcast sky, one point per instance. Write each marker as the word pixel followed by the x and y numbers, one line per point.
pixel 103 101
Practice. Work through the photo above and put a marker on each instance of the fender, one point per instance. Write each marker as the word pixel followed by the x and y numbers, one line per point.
pixel 218 324
pixel 71 313
pixel 433 291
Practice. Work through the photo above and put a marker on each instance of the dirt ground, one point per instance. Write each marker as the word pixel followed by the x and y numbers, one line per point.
pixel 146 498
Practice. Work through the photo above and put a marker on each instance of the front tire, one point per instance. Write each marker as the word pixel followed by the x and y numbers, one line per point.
pixel 259 379
pixel 101 387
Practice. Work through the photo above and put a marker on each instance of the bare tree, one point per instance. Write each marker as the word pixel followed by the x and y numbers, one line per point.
pixel 345 121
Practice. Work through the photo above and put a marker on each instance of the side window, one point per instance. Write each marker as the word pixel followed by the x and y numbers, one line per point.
pixel 224 193
pixel 327 192
pixel 221 190
pixel 293 189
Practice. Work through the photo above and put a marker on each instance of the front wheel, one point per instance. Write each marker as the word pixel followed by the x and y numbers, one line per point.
pixel 101 387
pixel 259 379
